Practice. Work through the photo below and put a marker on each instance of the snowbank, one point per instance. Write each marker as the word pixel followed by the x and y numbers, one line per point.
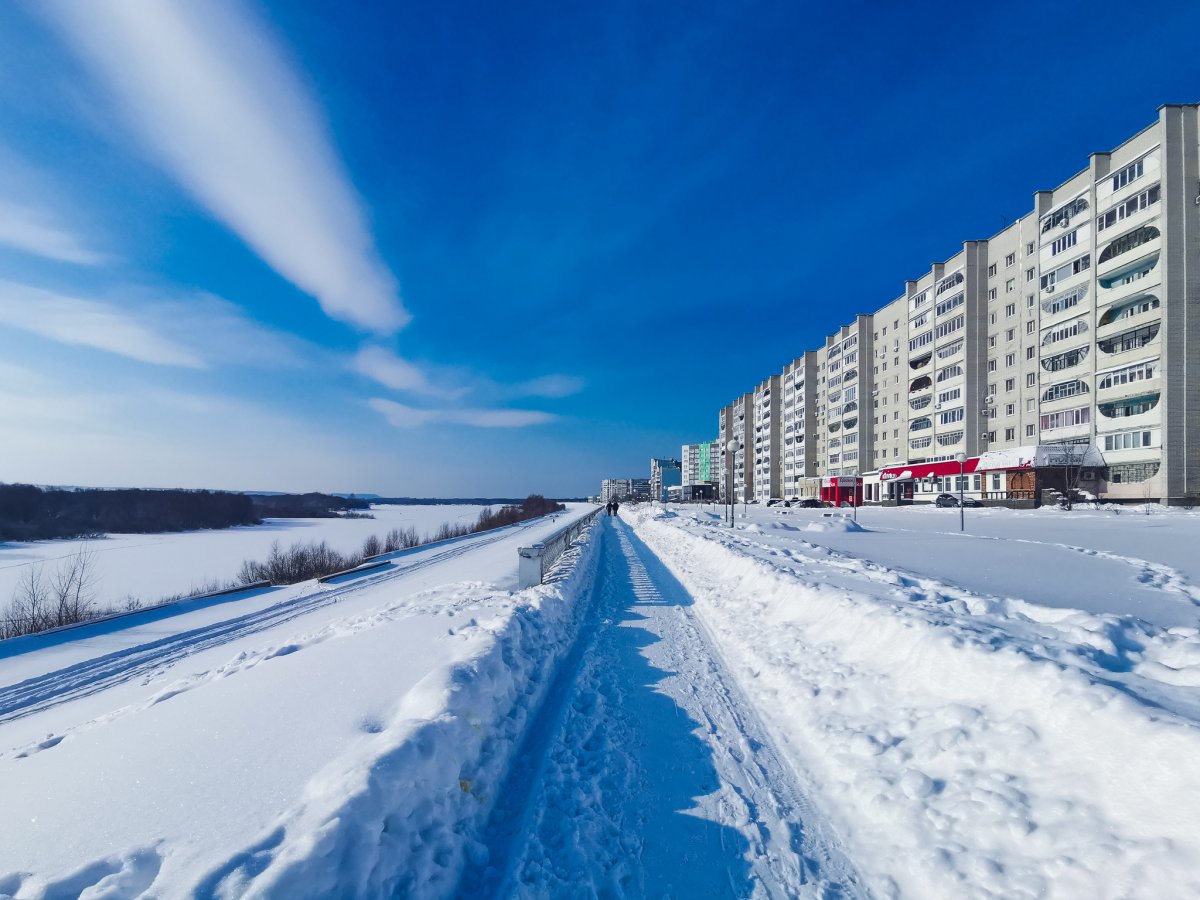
pixel 398 816
pixel 959 758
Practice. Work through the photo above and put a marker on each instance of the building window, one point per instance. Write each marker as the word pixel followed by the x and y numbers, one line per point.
pixel 1127 440
pixel 1128 375
pixel 1066 242
pixel 1010 285
pixel 1010 260
pixel 1029 248
pixel 992 341
pixel 1010 434
pixel 991 365
pixel 1010 335
pixel 1010 385
pixel 1030 352
pixel 1123 211
pixel 1030 379
pixel 1029 327
pixel 1010 409
pixel 948 304
pixel 1010 310
pixel 1067 418
pixel 1030 274
pixel 1074 267
pixel 1063 215
pixel 1030 430
pixel 950 326
pixel 1010 360
pixel 992 270
pixel 1128 175
pixel 992 294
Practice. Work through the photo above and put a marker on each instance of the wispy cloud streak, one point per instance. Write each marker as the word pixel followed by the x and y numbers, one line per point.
pixel 403 416
pixel 33 230
pixel 213 96
pixel 89 323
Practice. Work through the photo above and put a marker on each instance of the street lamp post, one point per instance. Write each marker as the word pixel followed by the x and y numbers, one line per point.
pixel 962 480
pixel 732 448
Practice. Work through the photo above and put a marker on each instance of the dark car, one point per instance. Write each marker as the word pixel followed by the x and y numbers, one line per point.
pixel 952 500
pixel 809 503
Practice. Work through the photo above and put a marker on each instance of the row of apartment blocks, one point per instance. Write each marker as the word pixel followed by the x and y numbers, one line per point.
pixel 1075 327
pixel 666 476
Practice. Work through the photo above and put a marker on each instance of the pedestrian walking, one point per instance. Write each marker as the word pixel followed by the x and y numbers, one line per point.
pixel 616 507
pixel 608 506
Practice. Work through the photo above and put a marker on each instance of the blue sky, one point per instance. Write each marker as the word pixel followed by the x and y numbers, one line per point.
pixel 459 249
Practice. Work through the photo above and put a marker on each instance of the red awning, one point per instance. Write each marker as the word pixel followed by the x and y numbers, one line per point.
pixel 927 470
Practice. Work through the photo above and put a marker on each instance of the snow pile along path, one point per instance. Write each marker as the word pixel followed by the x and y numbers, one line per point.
pixel 961 758
pixel 396 817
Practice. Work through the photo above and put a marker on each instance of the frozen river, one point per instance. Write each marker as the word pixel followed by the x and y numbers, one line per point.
pixel 151 566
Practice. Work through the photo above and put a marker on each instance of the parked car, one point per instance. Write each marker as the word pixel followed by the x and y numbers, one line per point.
pixel 952 500
pixel 776 501
pixel 810 503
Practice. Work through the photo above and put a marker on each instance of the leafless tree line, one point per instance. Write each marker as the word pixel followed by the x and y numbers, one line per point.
pixel 45 600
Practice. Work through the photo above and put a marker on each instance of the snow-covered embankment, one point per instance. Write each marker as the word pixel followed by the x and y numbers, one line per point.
pixel 957 758
pixel 399 815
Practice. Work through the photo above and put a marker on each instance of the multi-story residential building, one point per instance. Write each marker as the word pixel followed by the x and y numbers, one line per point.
pixel 664 473
pixel 766 457
pixel 1070 339
pixel 724 439
pixel 798 417
pixel 743 456
pixel 639 489
pixel 701 463
pixel 615 489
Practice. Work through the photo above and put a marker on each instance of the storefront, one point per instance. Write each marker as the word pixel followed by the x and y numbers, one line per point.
pixel 924 481
pixel 841 490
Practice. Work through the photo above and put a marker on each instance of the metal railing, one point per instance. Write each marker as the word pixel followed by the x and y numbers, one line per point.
pixel 535 561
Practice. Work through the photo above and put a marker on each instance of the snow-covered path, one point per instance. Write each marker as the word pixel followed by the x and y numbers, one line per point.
pixel 647 773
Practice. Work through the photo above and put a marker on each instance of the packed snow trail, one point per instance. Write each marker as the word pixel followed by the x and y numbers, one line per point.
pixel 646 772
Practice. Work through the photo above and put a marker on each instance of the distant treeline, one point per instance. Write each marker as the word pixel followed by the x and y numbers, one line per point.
pixel 305 506
pixel 30 513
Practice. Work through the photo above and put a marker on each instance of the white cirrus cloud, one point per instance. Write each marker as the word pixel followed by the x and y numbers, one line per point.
pixel 404 416
pixel 90 323
pixel 392 371
pixel 30 229
pixel 549 386
pixel 213 96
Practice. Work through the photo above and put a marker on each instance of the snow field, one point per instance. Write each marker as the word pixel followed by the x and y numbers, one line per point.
pixel 149 567
pixel 959 757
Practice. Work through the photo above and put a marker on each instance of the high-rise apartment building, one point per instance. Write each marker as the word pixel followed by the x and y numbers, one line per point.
pixel 701 463
pixel 1073 334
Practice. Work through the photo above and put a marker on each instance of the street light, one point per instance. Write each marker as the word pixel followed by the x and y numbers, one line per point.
pixel 731 447
pixel 962 479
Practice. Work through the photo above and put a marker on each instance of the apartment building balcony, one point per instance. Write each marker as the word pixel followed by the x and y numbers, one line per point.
pixel 919 403
pixel 1065 360
pixel 951 438
pixel 924 383
pixel 1128 341
pixel 920 424
pixel 1066 301
pixel 1138 242
pixel 1137 310
pixel 1134 407
pixel 951 349
pixel 1141 272
pixel 920 362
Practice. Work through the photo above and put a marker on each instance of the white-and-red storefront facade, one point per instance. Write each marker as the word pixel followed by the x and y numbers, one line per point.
pixel 842 490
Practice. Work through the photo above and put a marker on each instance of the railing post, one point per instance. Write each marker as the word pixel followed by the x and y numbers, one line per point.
pixel 529 569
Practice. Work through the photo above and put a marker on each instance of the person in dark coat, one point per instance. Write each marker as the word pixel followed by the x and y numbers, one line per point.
pixel 616 507
pixel 608 506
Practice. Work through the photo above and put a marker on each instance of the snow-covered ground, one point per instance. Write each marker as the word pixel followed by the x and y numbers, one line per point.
pixel 316 740
pixel 149 567
pixel 1006 712
pixel 797 706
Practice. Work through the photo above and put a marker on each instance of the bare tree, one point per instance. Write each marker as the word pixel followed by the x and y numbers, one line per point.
pixel 74 587
pixel 30 608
